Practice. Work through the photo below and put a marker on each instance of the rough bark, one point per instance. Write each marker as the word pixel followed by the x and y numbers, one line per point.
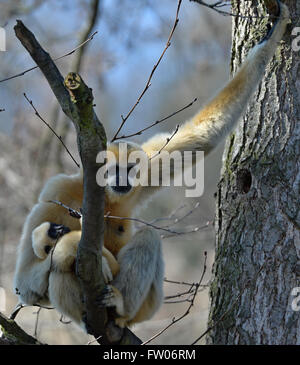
pixel 257 223
pixel 12 334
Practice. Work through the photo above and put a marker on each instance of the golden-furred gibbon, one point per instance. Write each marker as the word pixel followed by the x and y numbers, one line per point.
pixel 132 260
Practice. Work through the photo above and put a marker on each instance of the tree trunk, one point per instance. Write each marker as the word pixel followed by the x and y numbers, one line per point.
pixel 257 261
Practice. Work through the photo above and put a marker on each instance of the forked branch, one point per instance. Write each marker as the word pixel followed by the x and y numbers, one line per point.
pixel 76 100
pixel 148 83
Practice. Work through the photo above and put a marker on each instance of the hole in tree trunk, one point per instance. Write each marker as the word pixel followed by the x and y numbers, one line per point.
pixel 243 181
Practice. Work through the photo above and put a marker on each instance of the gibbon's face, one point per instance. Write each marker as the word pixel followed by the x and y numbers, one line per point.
pixel 121 170
pixel 45 236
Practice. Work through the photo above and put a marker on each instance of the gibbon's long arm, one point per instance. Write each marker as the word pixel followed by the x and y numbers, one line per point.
pixel 133 260
pixel 215 121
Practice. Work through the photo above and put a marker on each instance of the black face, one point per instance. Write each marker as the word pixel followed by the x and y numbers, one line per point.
pixel 57 230
pixel 122 184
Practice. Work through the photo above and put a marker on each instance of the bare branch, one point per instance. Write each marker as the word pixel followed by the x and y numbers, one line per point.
pixel 216 6
pixel 168 139
pixel 178 282
pixel 194 230
pixel 175 219
pixel 76 100
pixel 20 306
pixel 52 130
pixel 37 313
pixel 124 119
pixel 14 334
pixel 145 223
pixel 249 282
pixel 93 341
pixel 192 288
pixel 93 15
pixel 175 320
pixel 76 214
pixel 219 4
pixel 183 283
pixel 94 9
pixel 157 121
pixel 55 59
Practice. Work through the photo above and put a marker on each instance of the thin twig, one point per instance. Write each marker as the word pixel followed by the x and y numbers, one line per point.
pixel 168 43
pixel 157 121
pixel 173 233
pixel 17 309
pixel 217 322
pixel 168 139
pixel 216 6
pixel 73 213
pixel 178 295
pixel 219 4
pixel 170 216
pixel 94 340
pixel 52 130
pixel 20 306
pixel 37 321
pixel 177 220
pixel 231 307
pixel 191 291
pixel 178 282
pixel 92 9
pixel 186 300
pixel 93 18
pixel 175 320
pixel 55 59
pixel 188 292
pixel 145 223
pixel 194 230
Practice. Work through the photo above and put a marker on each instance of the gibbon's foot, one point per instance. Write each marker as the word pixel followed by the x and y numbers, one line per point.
pixel 111 297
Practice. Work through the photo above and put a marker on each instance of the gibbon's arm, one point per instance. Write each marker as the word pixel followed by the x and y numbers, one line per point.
pixel 215 121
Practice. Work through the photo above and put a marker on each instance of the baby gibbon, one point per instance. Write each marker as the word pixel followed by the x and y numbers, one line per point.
pixel 132 260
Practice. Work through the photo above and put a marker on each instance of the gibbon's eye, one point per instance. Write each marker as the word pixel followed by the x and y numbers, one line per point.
pixel 47 249
pixel 121 229
pixel 122 184
pixel 57 230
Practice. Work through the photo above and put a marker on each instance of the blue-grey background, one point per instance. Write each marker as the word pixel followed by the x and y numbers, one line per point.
pixel 116 64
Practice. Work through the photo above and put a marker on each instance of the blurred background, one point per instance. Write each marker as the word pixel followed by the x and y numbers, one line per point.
pixel 116 63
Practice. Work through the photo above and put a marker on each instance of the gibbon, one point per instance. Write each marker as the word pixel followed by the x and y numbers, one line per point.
pixel 132 260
